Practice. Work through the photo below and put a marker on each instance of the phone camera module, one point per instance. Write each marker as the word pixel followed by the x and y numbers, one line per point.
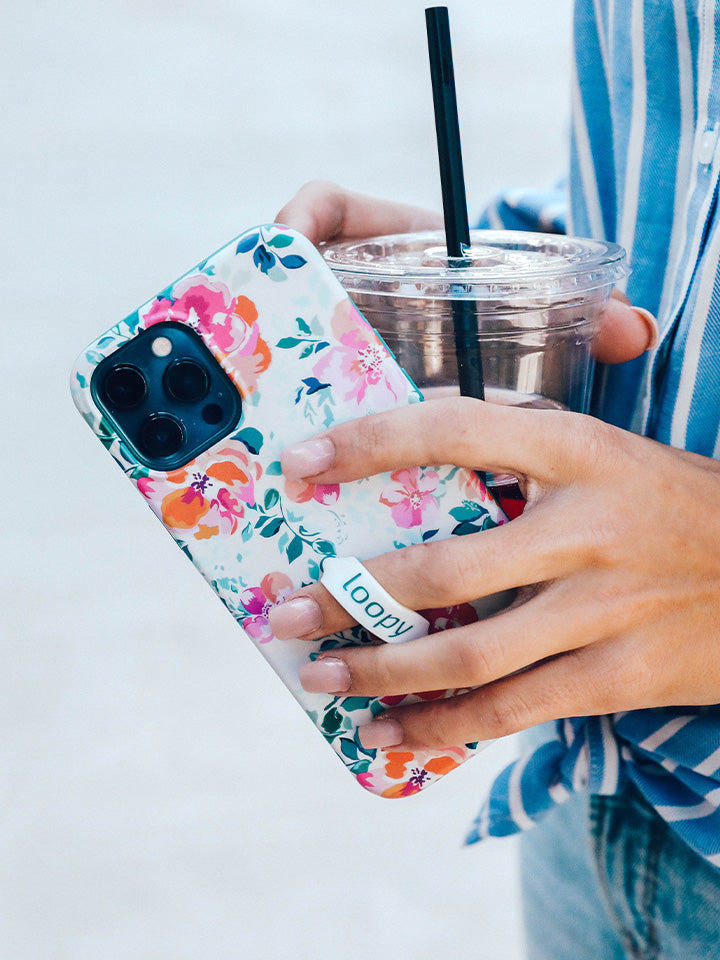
pixel 161 436
pixel 186 381
pixel 124 387
pixel 165 396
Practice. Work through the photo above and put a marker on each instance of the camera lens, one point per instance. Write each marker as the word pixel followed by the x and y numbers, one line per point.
pixel 161 436
pixel 186 381
pixel 124 387
pixel 212 413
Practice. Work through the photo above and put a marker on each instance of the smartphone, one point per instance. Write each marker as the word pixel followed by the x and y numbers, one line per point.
pixel 196 393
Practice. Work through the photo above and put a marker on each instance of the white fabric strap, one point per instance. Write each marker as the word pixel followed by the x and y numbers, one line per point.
pixel 369 603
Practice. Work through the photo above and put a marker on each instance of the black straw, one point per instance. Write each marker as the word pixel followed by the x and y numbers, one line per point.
pixel 452 180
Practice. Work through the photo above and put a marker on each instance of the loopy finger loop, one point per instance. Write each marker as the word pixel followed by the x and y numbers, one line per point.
pixel 369 603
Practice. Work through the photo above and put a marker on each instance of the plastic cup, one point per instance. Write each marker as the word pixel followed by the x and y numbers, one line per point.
pixel 536 300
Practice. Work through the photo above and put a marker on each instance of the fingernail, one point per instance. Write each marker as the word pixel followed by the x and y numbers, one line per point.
pixel 326 675
pixel 380 733
pixel 308 458
pixel 653 327
pixel 295 618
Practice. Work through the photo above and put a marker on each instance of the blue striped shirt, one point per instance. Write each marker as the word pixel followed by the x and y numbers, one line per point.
pixel 644 167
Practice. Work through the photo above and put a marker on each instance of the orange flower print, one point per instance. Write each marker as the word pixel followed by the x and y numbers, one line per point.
pixel 252 356
pixel 208 496
pixel 300 492
pixel 471 485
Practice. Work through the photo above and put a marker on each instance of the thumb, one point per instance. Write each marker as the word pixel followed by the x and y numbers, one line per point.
pixel 625 331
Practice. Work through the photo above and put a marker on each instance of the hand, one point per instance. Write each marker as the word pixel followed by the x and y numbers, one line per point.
pixel 325 212
pixel 619 538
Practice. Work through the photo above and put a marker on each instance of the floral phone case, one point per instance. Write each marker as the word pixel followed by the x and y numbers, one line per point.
pixel 302 358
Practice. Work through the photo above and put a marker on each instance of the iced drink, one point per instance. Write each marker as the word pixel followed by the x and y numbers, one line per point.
pixel 535 299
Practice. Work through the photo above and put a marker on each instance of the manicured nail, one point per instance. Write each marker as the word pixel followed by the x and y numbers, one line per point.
pixel 653 327
pixel 308 458
pixel 295 618
pixel 381 733
pixel 326 675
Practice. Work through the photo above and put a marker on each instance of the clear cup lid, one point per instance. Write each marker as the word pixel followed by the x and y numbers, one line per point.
pixel 503 265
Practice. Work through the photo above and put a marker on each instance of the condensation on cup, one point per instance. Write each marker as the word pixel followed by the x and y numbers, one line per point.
pixel 536 300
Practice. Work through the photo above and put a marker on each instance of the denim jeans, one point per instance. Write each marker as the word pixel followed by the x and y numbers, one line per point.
pixel 605 878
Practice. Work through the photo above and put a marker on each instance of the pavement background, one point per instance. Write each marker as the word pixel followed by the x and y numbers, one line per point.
pixel 162 798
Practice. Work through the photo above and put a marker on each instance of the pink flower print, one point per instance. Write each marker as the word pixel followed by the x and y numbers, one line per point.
pixel 300 492
pixel 360 368
pixel 214 310
pixel 205 305
pixel 365 779
pixel 227 324
pixel 257 601
pixel 257 605
pixel 160 310
pixel 409 496
pixel 347 318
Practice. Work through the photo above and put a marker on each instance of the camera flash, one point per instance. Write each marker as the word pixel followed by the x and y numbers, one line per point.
pixel 161 346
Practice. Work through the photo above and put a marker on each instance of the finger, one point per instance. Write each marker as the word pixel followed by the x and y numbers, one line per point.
pixel 448 572
pixel 552 446
pixel 625 331
pixel 470 656
pixel 324 211
pixel 598 679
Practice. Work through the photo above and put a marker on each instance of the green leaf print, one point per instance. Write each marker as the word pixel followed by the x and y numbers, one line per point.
pixel 280 240
pixel 348 748
pixel 270 529
pixel 356 703
pixel 294 549
pixel 325 547
pixel 252 439
pixel 271 498
pixel 332 721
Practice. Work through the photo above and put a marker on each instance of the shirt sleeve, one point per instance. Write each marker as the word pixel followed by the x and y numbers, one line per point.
pixel 543 211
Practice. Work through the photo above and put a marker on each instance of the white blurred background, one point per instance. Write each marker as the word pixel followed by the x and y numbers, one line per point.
pixel 162 796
